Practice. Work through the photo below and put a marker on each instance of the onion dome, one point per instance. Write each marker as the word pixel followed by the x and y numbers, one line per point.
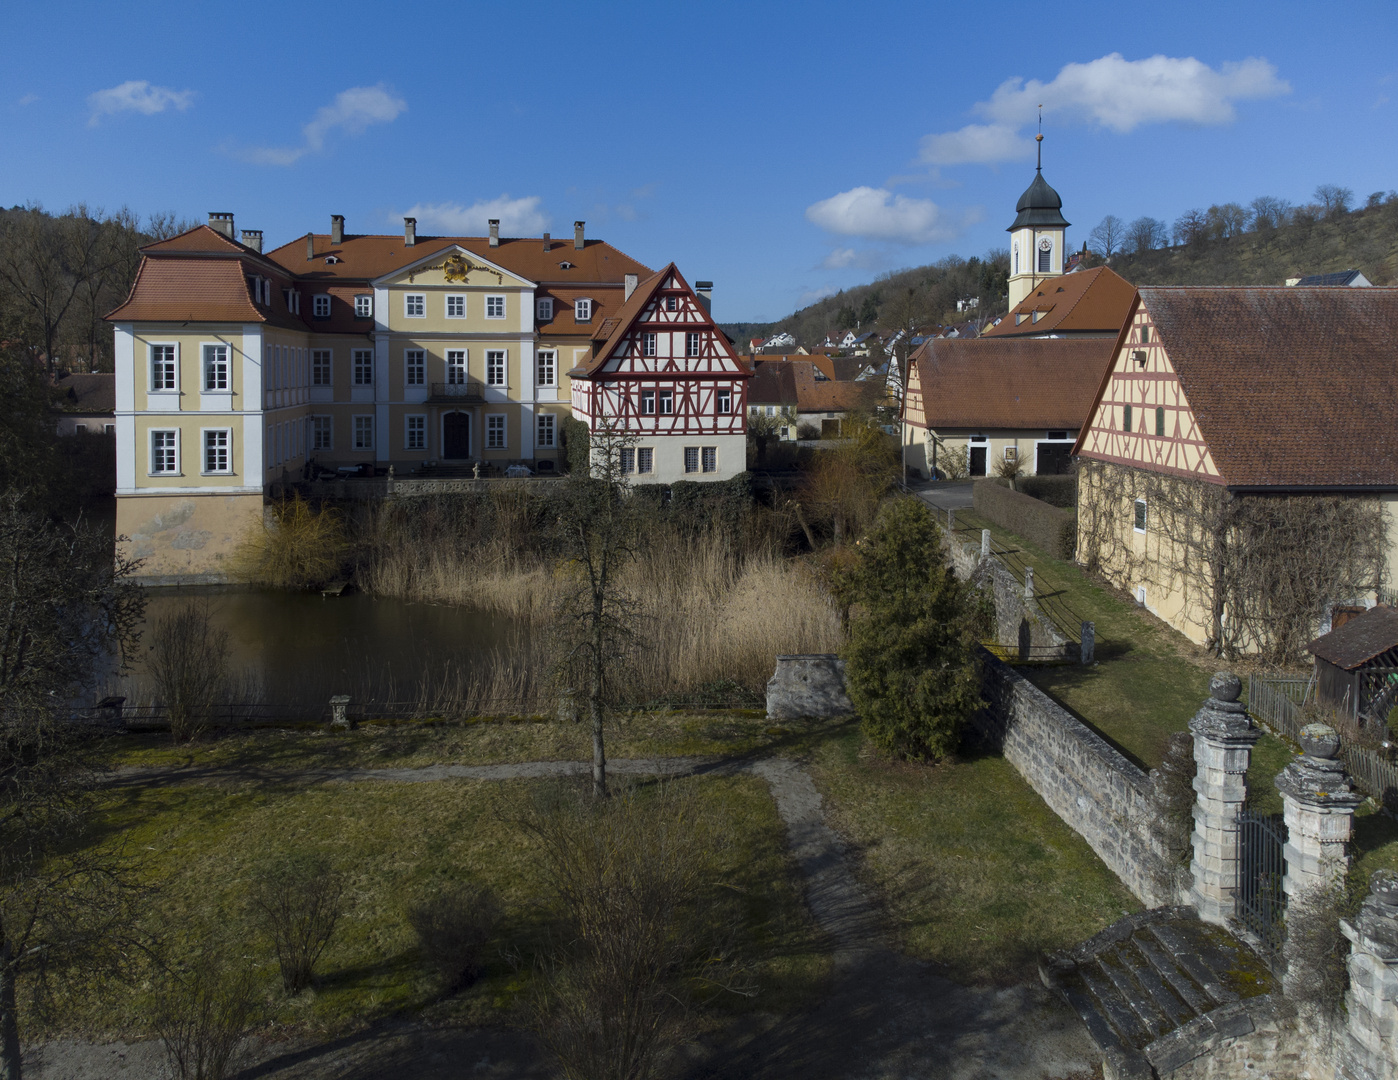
pixel 1039 207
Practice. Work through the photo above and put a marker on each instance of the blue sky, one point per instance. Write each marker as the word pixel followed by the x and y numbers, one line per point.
pixel 782 150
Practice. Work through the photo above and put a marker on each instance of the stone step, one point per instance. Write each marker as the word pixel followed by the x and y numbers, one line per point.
pixel 1169 970
pixel 1130 1030
pixel 1137 1000
pixel 1185 955
pixel 1175 1008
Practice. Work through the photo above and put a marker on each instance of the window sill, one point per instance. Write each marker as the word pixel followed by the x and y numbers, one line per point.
pixel 160 475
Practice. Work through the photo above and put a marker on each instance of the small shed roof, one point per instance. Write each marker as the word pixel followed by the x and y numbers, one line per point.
pixel 1360 640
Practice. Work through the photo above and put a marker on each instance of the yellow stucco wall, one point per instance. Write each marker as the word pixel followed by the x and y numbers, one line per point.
pixel 185 536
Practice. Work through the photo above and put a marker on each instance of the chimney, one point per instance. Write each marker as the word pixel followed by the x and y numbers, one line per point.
pixel 705 290
pixel 409 231
pixel 253 238
pixel 548 244
pixel 337 229
pixel 578 235
pixel 310 246
pixel 222 223
pixel 632 280
pixel 495 232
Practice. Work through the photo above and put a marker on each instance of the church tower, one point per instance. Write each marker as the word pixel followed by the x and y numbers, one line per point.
pixel 1036 237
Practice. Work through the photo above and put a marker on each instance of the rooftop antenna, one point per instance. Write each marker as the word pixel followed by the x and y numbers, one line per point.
pixel 1039 138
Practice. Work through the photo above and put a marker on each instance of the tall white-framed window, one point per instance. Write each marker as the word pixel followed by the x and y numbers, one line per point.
pixel 647 402
pixel 456 305
pixel 645 459
pixel 709 457
pixel 495 432
pixel 164 368
pixel 691 344
pixel 648 343
pixel 495 368
pixel 547 367
pixel 320 306
pixel 215 367
pixel 667 402
pixel 364 433
pixel 164 453
pixel 415 305
pixel 218 446
pixel 725 401
pixel 415 433
pixel 543 309
pixel 547 431
pixel 582 310
pixel 363 367
pixel 414 367
pixel 320 367
pixel 364 306
pixel 322 433
pixel 456 367
pixel 494 307
pixel 691 459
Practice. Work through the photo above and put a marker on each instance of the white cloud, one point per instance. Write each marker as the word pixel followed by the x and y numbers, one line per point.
pixel 976 144
pixel 28 99
pixel 810 296
pixel 136 95
pixel 867 259
pixel 518 217
pixel 1122 94
pixel 352 111
pixel 878 214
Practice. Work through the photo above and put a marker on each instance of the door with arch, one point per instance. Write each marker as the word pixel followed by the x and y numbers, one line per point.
pixel 456 435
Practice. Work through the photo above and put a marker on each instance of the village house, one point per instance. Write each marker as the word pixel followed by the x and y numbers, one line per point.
pixel 828 389
pixel 1219 394
pixel 772 395
pixel 235 368
pixel 86 404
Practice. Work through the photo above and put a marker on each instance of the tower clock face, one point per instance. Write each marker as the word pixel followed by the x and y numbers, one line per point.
pixel 1046 244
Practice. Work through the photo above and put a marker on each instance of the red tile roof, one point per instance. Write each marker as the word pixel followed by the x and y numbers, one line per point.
pixel 1087 302
pixel 189 290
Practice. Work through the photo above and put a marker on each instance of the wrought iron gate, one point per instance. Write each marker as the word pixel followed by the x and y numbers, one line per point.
pixel 1261 867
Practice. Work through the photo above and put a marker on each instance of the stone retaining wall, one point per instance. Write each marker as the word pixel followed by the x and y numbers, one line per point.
pixel 1019 623
pixel 1092 787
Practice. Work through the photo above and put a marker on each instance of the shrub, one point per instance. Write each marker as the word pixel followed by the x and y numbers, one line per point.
pixel 296 903
pixel 188 663
pixel 910 661
pixel 1316 949
pixel 1009 469
pixel 452 929
pixel 295 547
pixel 807 430
pixel 577 444
pixel 202 1014
pixel 1059 491
pixel 952 462
pixel 1052 529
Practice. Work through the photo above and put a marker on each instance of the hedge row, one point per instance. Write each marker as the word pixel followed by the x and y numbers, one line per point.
pixel 1056 490
pixel 1054 530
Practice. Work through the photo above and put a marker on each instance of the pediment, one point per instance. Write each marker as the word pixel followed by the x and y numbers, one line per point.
pixel 454 267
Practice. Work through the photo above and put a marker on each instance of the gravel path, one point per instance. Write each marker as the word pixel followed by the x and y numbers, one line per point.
pixel 886 1016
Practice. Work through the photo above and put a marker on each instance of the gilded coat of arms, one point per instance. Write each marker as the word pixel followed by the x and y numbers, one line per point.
pixel 455 268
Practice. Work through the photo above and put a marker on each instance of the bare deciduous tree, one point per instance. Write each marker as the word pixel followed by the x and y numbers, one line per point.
pixel 1191 227
pixel 1226 220
pixel 1269 212
pixel 188 662
pixel 1333 199
pixel 298 902
pixel 1107 237
pixel 1145 234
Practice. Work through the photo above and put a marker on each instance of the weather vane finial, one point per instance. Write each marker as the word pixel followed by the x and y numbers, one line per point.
pixel 1039 138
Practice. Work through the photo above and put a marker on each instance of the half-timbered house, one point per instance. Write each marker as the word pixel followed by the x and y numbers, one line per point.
pixel 1254 391
pixel 664 375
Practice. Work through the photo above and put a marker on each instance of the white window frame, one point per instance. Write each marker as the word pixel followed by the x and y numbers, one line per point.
pixel 205 370
pixel 502 358
pixel 546 431
pixel 457 370
pixel 543 309
pixel 364 305
pixel 1140 512
pixel 322 367
pixel 320 305
pixel 645 459
pixel 409 432
pixel 723 401
pixel 204 448
pixel 414 305
pixel 650 343
pixel 708 458
pixel 363 432
pixel 151 346
pixel 414 367
pixel 495 306
pixel 174 449
pixel 449 300
pixel 497 432
pixel 322 425
pixel 546 367
pixel 666 402
pixel 582 309
pixel 692 344
pixel 361 361
pixel 648 403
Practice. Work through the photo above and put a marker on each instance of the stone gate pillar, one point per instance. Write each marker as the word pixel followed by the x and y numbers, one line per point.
pixel 1223 741
pixel 1370 1041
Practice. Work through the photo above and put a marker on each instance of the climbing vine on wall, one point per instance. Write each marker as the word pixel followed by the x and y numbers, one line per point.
pixel 1255 571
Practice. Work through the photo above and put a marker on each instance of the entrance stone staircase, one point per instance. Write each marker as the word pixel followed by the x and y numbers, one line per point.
pixel 1161 988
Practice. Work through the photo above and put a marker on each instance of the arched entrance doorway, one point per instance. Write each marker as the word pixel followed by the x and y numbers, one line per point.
pixel 456 435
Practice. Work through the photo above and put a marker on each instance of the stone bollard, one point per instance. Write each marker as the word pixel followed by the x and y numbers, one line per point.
pixel 1088 653
pixel 1369 1047
pixel 1223 741
pixel 810 685
pixel 339 712
pixel 985 543
pixel 1028 584
pixel 951 522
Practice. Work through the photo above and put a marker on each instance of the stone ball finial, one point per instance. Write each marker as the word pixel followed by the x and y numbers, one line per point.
pixel 1383 887
pixel 1320 741
pixel 1225 686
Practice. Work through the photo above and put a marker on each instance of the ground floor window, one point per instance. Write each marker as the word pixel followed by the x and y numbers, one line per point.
pixel 364 433
pixel 416 433
pixel 164 452
pixel 495 432
pixel 216 445
pixel 546 430
pixel 628 459
pixel 322 433
pixel 709 454
pixel 645 459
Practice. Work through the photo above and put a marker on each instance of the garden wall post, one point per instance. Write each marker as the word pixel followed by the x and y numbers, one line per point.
pixel 339 712
pixel 1223 741
pixel 1369 1046
pixel 1087 654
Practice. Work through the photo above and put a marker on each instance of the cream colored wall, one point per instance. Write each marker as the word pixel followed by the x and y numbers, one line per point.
pixel 476 348
pixel 518 293
pixel 189 353
pixel 918 452
pixel 1389 503
pixel 186 536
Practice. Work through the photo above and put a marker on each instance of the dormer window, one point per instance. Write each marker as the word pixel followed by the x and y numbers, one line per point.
pixel 331 260
pixel 565 265
pixel 293 301
pixel 320 306
pixel 582 310
pixel 543 309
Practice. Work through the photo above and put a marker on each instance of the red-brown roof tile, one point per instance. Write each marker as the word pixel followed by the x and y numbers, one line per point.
pixel 1087 302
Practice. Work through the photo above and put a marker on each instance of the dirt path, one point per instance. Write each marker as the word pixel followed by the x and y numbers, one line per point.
pixel 886 1016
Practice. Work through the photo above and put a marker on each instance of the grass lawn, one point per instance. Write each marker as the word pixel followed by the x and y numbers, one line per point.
pixel 199 843
pixel 976 872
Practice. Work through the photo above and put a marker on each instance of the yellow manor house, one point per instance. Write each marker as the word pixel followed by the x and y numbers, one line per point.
pixel 236 368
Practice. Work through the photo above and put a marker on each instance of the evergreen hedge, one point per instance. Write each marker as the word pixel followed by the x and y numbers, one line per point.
pixel 1054 530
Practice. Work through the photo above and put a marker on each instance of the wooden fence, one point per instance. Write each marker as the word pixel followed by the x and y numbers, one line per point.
pixel 1275 702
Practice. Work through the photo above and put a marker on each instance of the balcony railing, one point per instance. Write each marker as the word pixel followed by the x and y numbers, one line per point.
pixel 469 390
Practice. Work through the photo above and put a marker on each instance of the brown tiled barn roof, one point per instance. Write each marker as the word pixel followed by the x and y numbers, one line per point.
pixel 1291 387
pixel 1011 382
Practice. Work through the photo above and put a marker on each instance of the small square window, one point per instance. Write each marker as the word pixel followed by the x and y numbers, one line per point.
pixel 547 430
pixel 667 402
pixel 415 305
pixel 710 456
pixel 1140 524
pixel 320 367
pixel 494 307
pixel 364 306
pixel 322 429
pixel 415 367
pixel 456 307
pixel 648 344
pixel 216 458
pixel 364 433
pixel 691 459
pixel 582 310
pixel 495 432
pixel 543 309
pixel 363 367
pixel 164 453
pixel 416 433
pixel 645 459
pixel 672 303
pixel 495 368
pixel 320 306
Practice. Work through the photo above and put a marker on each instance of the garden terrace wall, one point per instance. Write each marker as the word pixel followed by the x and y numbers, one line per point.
pixel 1102 796
pixel 1054 530
pixel 1019 622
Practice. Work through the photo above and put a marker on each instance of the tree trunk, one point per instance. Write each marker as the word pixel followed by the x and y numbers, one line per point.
pixel 594 708
pixel 801 520
pixel 10 1058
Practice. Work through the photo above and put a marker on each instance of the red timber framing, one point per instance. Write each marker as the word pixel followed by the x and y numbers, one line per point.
pixel 664 368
